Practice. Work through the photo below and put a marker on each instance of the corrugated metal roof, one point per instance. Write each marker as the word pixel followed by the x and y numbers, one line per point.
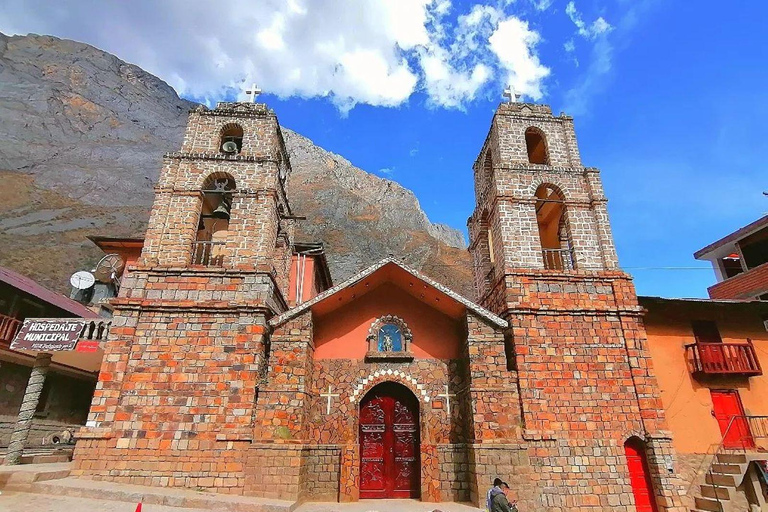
pixel 27 285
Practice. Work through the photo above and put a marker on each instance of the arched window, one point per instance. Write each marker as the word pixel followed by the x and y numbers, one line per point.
pixel 537 146
pixel 639 475
pixel 213 225
pixel 231 139
pixel 553 228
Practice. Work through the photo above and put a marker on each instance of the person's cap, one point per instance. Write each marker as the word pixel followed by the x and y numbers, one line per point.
pixel 505 484
pixel 497 482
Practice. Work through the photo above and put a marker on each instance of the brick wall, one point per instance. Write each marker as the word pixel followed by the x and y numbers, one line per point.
pixel 747 285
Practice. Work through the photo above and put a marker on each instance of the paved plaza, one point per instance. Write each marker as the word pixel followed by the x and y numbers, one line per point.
pixel 12 501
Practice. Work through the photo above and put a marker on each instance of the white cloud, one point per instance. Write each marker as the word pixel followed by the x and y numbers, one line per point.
pixel 591 31
pixel 514 43
pixel 377 52
pixel 542 5
pixel 387 171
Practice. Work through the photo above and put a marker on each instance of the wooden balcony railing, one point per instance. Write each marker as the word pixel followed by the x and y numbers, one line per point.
pixel 723 359
pixel 557 259
pixel 9 326
pixel 209 254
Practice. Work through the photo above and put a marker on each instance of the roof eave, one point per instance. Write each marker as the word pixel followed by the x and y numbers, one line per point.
pixel 471 306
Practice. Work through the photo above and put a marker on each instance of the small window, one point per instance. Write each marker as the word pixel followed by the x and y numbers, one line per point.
pixel 231 140
pixel 731 265
pixel 706 331
pixel 537 146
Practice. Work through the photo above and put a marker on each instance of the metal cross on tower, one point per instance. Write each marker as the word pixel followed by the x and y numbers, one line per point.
pixel 329 396
pixel 447 395
pixel 511 94
pixel 252 93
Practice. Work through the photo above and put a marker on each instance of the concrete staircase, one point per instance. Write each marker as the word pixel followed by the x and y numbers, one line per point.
pixel 718 493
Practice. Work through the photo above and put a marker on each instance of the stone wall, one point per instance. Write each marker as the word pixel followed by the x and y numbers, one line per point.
pixel 455 472
pixel 321 471
pixel 174 403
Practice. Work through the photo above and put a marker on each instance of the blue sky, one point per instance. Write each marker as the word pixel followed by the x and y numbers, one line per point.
pixel 669 97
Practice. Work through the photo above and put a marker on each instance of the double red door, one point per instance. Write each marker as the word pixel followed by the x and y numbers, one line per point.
pixel 727 409
pixel 389 443
pixel 639 476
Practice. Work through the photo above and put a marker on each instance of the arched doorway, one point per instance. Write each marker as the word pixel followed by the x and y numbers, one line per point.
pixel 389 443
pixel 639 476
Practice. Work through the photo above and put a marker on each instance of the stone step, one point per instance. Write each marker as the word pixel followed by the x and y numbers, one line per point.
pixel 170 497
pixel 710 491
pixel 722 480
pixel 708 505
pixel 726 469
pixel 21 477
pixel 731 458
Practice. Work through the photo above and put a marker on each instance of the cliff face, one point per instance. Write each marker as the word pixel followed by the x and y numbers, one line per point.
pixel 81 139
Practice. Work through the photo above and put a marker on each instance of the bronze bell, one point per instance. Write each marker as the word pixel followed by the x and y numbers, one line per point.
pixel 222 211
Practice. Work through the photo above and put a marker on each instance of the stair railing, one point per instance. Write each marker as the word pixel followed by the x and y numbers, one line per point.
pixel 757 427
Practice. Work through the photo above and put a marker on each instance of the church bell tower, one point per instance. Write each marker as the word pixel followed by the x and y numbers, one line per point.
pixel 544 260
pixel 179 383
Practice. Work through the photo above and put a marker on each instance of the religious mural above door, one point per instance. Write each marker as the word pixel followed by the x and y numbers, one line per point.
pixel 389 337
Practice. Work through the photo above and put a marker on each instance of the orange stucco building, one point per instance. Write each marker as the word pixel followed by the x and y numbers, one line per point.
pixel 709 356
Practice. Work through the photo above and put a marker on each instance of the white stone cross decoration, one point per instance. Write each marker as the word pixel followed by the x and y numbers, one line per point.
pixel 447 397
pixel 510 93
pixel 329 396
pixel 252 93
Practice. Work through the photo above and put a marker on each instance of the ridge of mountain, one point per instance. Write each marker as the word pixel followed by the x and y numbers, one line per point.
pixel 82 134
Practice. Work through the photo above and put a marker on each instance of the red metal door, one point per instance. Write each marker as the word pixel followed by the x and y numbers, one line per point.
pixel 639 477
pixel 727 409
pixel 389 443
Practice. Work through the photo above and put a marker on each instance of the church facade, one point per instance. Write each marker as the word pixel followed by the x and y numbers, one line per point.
pixel 233 364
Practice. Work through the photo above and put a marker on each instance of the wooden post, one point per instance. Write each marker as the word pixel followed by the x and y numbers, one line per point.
pixel 28 408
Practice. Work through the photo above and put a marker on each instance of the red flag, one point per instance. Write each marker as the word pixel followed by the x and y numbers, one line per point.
pixel 138 507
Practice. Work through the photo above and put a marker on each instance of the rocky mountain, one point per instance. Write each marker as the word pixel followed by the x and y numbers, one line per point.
pixel 81 138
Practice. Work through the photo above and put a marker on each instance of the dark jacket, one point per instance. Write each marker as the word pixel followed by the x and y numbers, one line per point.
pixel 499 502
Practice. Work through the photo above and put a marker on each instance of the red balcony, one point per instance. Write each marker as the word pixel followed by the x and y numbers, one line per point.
pixel 723 359
pixel 9 326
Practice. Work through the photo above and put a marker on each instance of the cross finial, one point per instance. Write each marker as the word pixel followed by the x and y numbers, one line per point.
pixel 252 93
pixel 511 94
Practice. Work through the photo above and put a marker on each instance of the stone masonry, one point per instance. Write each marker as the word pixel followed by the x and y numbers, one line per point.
pixel 209 381
pixel 174 405
pixel 581 363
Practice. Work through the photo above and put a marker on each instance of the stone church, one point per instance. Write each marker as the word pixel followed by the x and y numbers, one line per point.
pixel 235 365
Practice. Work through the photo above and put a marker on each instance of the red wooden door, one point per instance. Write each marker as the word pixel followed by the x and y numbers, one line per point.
pixel 639 477
pixel 726 406
pixel 389 443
